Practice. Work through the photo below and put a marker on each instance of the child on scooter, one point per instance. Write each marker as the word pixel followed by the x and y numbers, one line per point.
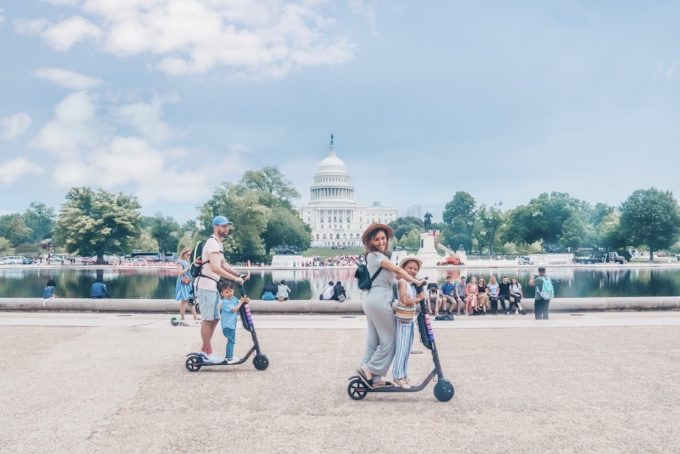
pixel 228 315
pixel 405 312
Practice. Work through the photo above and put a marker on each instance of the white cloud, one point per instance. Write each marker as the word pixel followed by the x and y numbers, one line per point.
pixel 74 127
pixel 266 39
pixel 145 118
pixel 66 78
pixel 13 126
pixel 94 148
pixel 13 170
pixel 60 36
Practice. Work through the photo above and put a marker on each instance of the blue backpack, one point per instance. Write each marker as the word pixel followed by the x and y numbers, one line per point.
pixel 547 291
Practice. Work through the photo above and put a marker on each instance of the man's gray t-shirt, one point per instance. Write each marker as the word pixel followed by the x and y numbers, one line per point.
pixel 385 278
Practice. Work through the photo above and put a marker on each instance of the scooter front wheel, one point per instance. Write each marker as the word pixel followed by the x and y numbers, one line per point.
pixel 357 389
pixel 261 362
pixel 193 363
pixel 444 390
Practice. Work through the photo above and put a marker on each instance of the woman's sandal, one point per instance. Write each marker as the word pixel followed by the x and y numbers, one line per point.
pixel 362 374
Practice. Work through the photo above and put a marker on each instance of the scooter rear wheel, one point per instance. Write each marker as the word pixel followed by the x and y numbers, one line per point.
pixel 261 362
pixel 444 390
pixel 174 321
pixel 357 389
pixel 193 363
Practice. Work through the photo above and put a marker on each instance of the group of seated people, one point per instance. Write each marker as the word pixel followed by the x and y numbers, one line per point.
pixel 475 297
pixel 334 292
pixel 272 292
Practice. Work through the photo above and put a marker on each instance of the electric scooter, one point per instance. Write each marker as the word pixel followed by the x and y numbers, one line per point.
pixel 177 321
pixel 197 360
pixel 358 387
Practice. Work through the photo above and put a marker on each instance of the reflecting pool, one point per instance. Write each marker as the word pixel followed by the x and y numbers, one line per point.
pixel 307 284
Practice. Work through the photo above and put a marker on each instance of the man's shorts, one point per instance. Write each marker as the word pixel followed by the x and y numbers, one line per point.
pixel 209 302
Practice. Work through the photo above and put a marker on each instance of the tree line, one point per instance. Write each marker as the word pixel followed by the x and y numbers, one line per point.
pixel 553 222
pixel 98 223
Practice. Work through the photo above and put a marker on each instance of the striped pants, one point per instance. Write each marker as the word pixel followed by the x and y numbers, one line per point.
pixel 404 342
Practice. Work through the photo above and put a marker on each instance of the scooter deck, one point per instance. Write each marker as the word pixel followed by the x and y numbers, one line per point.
pixel 396 389
pixel 204 362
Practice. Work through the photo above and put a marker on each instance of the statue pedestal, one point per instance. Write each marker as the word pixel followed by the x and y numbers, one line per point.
pixel 427 252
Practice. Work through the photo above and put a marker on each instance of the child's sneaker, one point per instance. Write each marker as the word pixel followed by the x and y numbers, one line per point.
pixel 233 360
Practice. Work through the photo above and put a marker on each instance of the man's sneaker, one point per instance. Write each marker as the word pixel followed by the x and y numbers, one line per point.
pixel 233 360
pixel 215 358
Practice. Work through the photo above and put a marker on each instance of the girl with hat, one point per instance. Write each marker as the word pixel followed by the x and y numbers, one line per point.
pixel 377 305
pixel 406 310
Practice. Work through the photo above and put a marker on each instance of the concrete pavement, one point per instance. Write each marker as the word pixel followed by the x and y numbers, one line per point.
pixel 91 382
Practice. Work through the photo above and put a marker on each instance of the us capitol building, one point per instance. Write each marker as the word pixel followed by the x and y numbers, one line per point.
pixel 335 217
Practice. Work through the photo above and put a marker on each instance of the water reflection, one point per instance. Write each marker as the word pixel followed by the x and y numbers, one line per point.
pixel 308 284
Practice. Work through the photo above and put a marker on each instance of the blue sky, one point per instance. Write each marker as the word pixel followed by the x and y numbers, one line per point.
pixel 164 99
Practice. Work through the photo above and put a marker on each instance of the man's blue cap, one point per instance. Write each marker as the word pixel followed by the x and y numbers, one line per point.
pixel 221 220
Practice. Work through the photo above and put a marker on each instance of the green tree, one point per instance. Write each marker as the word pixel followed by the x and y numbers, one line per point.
pixel 410 240
pixel 40 219
pixel 145 242
pixel 404 225
pixel 285 228
pixel 460 219
pixel 650 217
pixel 5 246
pixel 489 222
pixel 98 223
pixel 271 184
pixel 166 231
pixel 13 228
pixel 551 219
pixel 248 215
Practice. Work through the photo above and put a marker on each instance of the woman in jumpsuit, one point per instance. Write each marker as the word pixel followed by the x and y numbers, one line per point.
pixel 377 305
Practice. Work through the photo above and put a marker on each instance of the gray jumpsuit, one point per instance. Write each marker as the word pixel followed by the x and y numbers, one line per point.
pixel 380 318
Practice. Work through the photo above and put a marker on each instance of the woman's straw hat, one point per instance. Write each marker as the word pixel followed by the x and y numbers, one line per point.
pixel 410 258
pixel 372 227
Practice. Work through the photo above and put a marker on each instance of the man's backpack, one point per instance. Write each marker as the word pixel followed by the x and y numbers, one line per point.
pixel 364 278
pixel 197 260
pixel 547 291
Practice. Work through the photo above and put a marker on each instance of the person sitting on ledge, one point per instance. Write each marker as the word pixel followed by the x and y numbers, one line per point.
pixel 269 292
pixel 327 293
pixel 99 290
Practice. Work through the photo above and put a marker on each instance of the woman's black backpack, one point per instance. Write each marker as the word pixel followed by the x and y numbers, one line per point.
pixel 364 278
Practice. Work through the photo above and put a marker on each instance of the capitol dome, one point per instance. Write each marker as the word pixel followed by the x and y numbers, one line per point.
pixel 332 182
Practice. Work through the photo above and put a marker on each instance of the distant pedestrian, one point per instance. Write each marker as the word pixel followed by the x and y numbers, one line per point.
pixel 48 291
pixel 283 292
pixel 269 291
pixel 327 293
pixel 504 294
pixel 184 285
pixel 339 293
pixel 544 293
pixel 99 289
pixel 516 296
pixel 493 290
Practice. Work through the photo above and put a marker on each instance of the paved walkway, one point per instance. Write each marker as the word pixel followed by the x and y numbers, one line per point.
pixel 594 382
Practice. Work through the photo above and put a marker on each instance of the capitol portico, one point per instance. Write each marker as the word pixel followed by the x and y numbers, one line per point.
pixel 335 217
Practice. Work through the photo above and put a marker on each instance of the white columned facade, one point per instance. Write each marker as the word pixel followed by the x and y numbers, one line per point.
pixel 335 218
